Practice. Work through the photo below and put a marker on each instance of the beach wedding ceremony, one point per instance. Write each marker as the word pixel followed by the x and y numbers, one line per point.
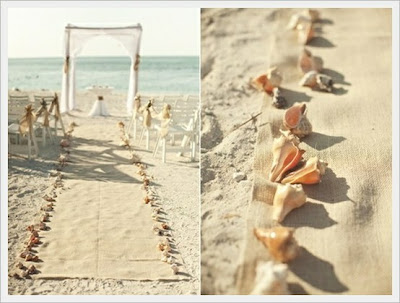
pixel 103 153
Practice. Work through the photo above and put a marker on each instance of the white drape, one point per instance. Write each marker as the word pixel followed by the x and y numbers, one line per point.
pixel 75 39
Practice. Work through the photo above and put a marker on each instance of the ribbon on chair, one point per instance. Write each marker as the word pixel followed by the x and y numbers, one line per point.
pixel 136 106
pixel 56 107
pixel 164 127
pixel 147 114
pixel 137 61
pixel 43 110
pixel 66 64
pixel 26 122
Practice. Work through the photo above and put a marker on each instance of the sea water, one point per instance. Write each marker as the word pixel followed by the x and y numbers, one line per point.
pixel 157 75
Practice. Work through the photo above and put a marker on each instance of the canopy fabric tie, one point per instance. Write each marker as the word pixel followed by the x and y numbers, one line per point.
pixel 137 61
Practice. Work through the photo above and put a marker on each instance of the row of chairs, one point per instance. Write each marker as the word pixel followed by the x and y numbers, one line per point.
pixel 181 125
pixel 16 110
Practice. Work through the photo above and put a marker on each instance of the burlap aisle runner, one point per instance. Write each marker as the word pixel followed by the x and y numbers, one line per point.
pixel 345 226
pixel 101 228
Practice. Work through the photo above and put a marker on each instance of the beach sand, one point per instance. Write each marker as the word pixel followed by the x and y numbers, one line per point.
pixel 177 186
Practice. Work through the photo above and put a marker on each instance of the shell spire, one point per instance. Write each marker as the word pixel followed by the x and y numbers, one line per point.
pixel 296 121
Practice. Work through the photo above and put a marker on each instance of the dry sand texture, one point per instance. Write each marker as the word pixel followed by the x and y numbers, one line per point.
pixel 29 180
pixel 352 205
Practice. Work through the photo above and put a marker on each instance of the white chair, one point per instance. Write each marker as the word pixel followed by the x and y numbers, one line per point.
pixel 183 122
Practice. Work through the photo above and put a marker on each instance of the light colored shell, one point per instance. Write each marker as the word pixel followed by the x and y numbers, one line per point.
pixel 296 121
pixel 271 279
pixel 175 268
pixel 305 33
pixel 164 258
pixel 296 20
pixel 267 82
pixel 170 260
pixel 309 79
pixel 313 14
pixel 310 173
pixel 286 155
pixel 287 197
pixel 280 242
pixel 165 253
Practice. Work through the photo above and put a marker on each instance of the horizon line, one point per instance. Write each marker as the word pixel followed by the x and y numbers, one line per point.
pixel 99 56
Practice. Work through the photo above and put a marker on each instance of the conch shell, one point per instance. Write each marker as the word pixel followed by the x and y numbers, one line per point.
pixel 313 14
pixel 279 241
pixel 305 32
pixel 164 226
pixel 287 197
pixel 296 121
pixel 64 143
pixel 175 268
pixel 286 156
pixel 271 279
pixel 315 80
pixel 310 173
pixel 308 62
pixel 267 82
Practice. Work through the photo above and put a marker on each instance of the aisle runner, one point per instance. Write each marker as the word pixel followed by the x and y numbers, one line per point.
pixel 101 228
pixel 345 226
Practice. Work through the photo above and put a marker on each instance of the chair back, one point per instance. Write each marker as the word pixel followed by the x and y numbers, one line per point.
pixel 16 107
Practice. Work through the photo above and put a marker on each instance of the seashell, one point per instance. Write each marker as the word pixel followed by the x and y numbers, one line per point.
pixel 31 269
pixel 175 268
pixel 161 246
pixel 29 257
pixel 309 79
pixel 24 254
pixel 73 124
pixel 156 210
pixel 313 14
pixel 156 230
pixel 268 81
pixel 287 197
pixel 296 121
pixel 286 155
pixel 35 240
pixel 280 242
pixel 146 199
pixel 165 253
pixel 121 124
pixel 23 273
pixel 48 199
pixel 166 233
pixel 164 258
pixel 324 82
pixel 64 143
pixel 156 218
pixel 297 20
pixel 308 62
pixel 271 279
pixel 46 208
pixel 42 226
pixel 164 226
pixel 277 100
pixel 146 181
pixel 305 32
pixel 19 265
pixel 309 173
pixel 170 260
pixel 35 233
pixel 317 81
pixel 44 218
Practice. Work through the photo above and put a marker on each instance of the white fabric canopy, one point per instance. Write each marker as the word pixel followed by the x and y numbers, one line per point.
pixel 75 39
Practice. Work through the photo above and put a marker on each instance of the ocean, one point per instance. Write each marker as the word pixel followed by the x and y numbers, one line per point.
pixel 160 75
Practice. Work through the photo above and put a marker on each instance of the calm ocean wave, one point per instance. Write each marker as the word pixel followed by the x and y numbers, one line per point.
pixel 156 74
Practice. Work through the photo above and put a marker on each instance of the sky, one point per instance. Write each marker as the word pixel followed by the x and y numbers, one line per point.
pixel 39 32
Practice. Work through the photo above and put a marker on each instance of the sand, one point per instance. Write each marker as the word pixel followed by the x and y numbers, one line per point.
pixel 176 185
pixel 232 52
pixel 236 46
